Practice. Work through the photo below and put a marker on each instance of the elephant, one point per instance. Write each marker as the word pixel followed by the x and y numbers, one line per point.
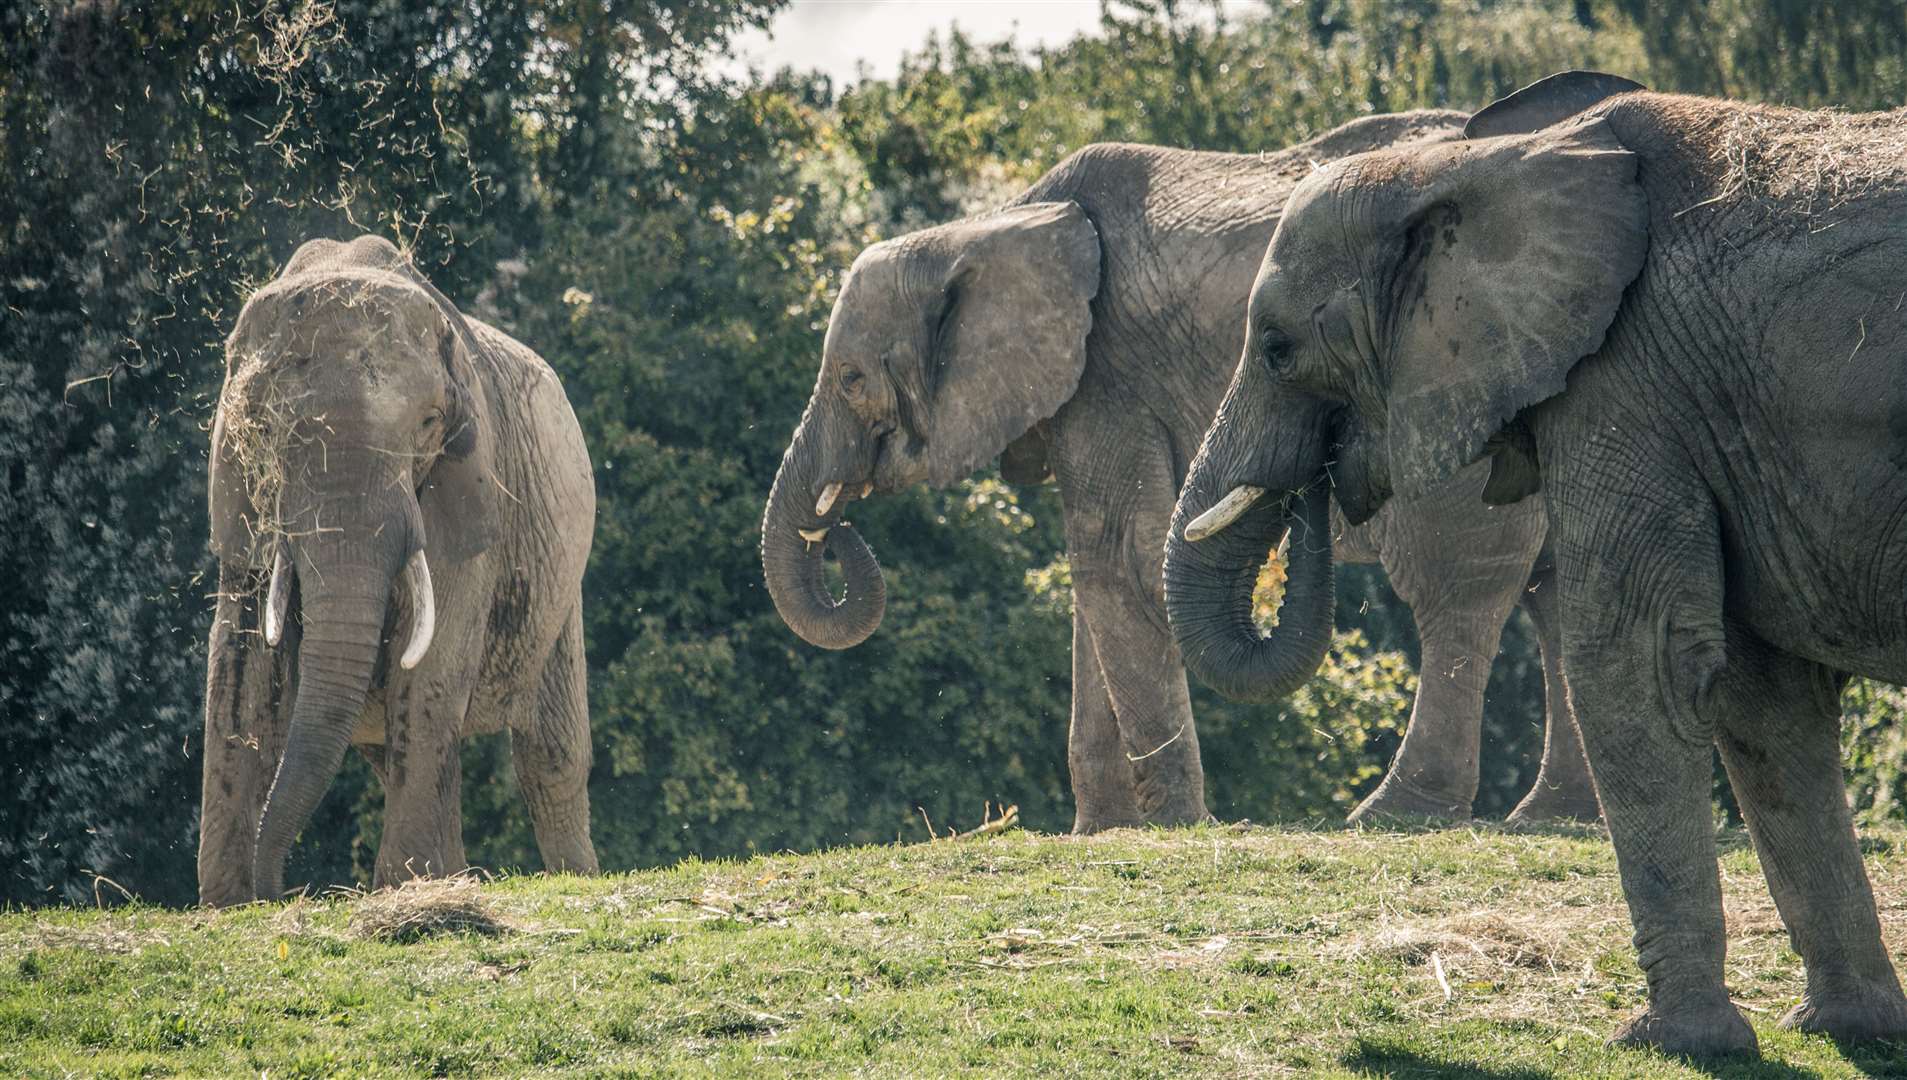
pixel 1679 319
pixel 401 508
pixel 1085 333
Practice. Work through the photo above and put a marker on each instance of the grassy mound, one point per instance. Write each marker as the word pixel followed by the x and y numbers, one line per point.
pixel 1210 951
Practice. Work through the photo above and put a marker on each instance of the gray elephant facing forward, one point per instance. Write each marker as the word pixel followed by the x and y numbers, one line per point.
pixel 1087 331
pixel 401 507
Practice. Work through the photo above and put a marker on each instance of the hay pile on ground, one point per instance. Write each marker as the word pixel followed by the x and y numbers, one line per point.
pixel 422 907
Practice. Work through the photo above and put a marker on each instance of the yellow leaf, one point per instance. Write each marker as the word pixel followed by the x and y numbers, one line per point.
pixel 284 951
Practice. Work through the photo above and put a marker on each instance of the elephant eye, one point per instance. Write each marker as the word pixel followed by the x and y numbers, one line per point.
pixel 1274 348
pixel 852 381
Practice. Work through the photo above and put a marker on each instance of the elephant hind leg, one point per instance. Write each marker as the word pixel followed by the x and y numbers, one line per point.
pixel 1780 743
pixel 550 752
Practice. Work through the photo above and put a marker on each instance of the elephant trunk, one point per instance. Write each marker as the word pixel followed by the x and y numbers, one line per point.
pixel 1208 592
pixel 346 598
pixel 802 521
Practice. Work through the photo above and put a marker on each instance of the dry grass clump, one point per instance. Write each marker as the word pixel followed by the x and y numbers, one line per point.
pixel 423 907
pixel 1811 161
pixel 1482 935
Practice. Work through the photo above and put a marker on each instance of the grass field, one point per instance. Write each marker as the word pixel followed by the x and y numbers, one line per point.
pixel 1212 951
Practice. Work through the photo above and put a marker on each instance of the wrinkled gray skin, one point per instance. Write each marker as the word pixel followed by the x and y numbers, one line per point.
pixel 1087 332
pixel 1701 366
pixel 413 429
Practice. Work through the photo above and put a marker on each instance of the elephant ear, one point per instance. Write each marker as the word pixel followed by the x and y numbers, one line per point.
pixel 459 496
pixel 1007 345
pixel 1546 101
pixel 234 520
pixel 1513 263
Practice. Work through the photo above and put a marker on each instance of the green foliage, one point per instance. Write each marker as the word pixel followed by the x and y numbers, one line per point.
pixel 1874 748
pixel 1312 757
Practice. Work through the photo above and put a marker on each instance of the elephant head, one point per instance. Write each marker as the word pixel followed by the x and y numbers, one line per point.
pixel 351 453
pixel 1411 303
pixel 945 345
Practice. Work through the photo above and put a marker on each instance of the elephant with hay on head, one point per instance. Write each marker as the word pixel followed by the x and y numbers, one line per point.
pixel 401 507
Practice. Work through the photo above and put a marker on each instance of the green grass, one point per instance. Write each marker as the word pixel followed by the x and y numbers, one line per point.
pixel 1209 951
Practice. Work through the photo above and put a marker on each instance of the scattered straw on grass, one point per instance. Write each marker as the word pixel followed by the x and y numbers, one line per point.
pixel 423 907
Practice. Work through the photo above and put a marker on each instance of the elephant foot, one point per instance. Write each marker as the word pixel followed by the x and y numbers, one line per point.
pixel 1085 824
pixel 1180 815
pixel 1851 1014
pixel 1714 1030
pixel 1396 801
pixel 1545 804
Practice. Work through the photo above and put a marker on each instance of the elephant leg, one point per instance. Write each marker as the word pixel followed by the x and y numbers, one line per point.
pixel 1461 568
pixel 1436 771
pixel 550 752
pixel 1780 743
pixel 1103 792
pixel 423 807
pixel 247 700
pixel 1564 789
pixel 1644 647
pixel 1146 685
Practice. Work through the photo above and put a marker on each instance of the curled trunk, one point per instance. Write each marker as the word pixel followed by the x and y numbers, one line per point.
pixel 1208 590
pixel 793 541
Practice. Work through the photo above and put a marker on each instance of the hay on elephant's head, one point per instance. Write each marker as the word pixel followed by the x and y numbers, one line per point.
pixel 422 907
pixel 259 427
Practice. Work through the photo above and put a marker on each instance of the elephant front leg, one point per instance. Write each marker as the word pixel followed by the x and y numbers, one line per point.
pixel 1435 773
pixel 1645 649
pixel 1564 789
pixel 550 752
pixel 1103 793
pixel 1145 682
pixel 1461 570
pixel 423 794
pixel 247 694
pixel 1780 741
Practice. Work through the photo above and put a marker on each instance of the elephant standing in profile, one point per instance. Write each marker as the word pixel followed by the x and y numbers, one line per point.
pixel 401 507
pixel 1681 320
pixel 1086 332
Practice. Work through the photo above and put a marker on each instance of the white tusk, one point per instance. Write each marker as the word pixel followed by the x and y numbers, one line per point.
pixel 1228 510
pixel 277 597
pixel 826 501
pixel 423 611
pixel 813 536
pixel 866 490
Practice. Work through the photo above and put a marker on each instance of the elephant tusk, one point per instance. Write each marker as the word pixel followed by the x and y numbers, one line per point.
pixel 1228 510
pixel 813 536
pixel 826 501
pixel 277 597
pixel 423 611
pixel 866 490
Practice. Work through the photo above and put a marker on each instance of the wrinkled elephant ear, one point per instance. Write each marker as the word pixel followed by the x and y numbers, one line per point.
pixel 1513 261
pixel 460 496
pixel 235 521
pixel 1546 101
pixel 1008 341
